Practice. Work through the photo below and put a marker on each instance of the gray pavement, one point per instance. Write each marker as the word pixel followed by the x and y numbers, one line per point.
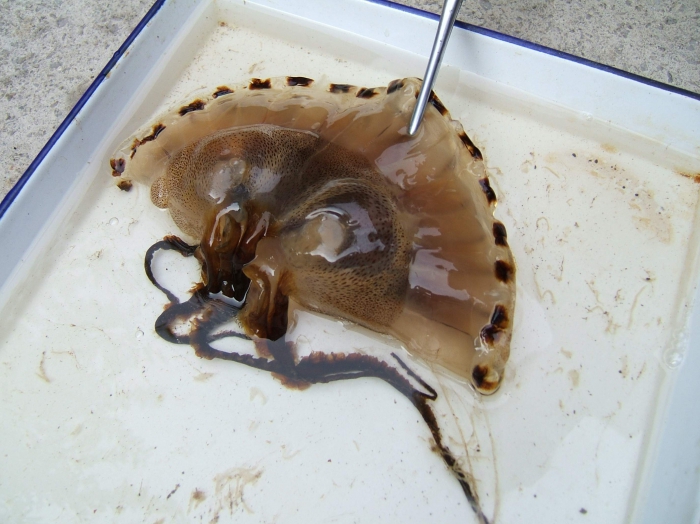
pixel 50 50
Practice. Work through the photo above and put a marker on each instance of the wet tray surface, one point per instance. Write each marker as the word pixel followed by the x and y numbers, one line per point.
pixel 107 420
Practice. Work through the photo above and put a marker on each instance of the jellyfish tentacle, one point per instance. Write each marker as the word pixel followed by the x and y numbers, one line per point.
pixel 331 367
pixel 420 401
pixel 200 304
pixel 283 352
pixel 213 337
pixel 201 338
pixel 176 312
pixel 325 368
pixel 206 314
pixel 170 242
pixel 432 394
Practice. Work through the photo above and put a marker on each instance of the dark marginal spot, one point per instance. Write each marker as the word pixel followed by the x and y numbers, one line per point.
pixel 499 321
pixel 499 234
pixel 473 150
pixel 488 333
pixel 366 93
pixel 197 105
pixel 486 188
pixel 299 81
pixel 124 185
pixel 157 130
pixel 437 104
pixel 499 318
pixel 504 271
pixel 221 91
pixel 117 164
pixel 479 374
pixel 394 85
pixel 256 83
pixel 340 88
pixel 134 146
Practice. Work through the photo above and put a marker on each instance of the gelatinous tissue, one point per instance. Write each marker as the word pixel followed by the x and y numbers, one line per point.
pixel 295 196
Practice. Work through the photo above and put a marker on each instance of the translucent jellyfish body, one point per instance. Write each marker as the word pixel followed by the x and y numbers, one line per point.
pixel 318 194
pixel 294 195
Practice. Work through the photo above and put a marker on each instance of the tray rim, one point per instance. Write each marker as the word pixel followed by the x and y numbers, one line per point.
pixel 491 33
pixel 687 372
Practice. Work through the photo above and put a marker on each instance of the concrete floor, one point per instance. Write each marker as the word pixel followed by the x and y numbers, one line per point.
pixel 50 50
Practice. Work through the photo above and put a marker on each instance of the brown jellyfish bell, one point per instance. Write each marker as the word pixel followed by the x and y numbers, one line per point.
pixel 296 196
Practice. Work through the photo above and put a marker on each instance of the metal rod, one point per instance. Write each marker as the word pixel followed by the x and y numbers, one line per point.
pixel 447 20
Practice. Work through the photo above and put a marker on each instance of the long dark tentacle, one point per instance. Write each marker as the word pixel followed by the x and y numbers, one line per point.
pixel 168 243
pixel 421 403
pixel 201 338
pixel 323 368
pixel 180 312
pixel 220 335
pixel 216 312
pixel 433 394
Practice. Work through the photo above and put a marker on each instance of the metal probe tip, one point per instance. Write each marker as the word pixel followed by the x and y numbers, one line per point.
pixel 447 21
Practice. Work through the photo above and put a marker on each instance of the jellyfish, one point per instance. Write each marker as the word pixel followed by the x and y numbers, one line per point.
pixel 300 196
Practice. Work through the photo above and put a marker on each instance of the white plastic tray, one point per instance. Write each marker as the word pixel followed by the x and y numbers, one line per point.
pixel 597 181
